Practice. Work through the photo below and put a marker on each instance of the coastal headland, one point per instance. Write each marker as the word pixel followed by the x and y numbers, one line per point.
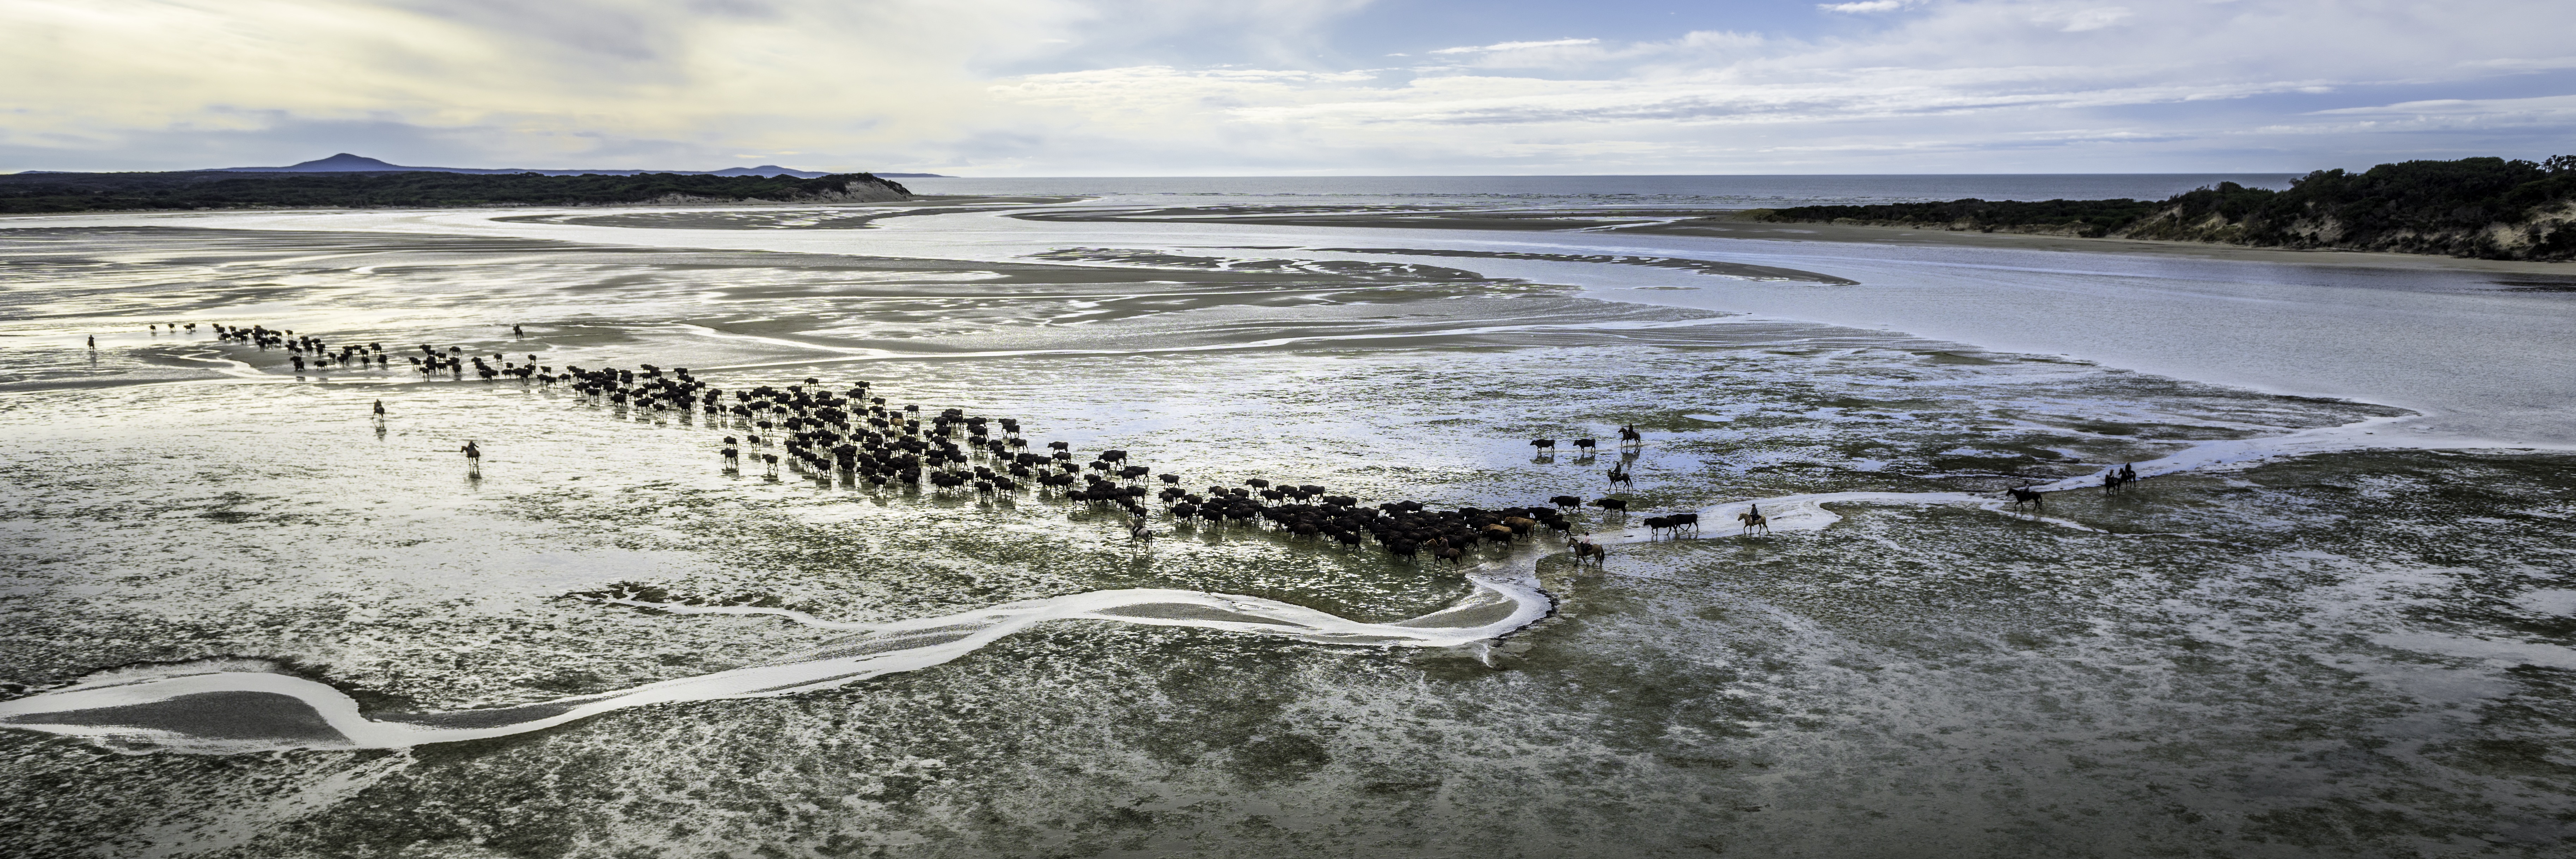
pixel 62 193
pixel 2485 208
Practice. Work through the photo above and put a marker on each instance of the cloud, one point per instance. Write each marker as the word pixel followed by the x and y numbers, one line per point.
pixel 2081 20
pixel 1180 86
pixel 2523 64
pixel 2555 111
pixel 1864 8
pixel 2072 81
pixel 545 83
pixel 1516 46
pixel 887 83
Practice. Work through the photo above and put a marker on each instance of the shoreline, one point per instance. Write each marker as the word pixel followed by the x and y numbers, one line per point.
pixel 1715 223
pixel 1923 236
pixel 653 205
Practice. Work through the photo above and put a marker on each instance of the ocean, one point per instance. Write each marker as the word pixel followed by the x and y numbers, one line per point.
pixel 1709 191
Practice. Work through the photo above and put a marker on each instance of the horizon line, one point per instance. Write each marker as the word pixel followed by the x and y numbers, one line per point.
pixel 1215 175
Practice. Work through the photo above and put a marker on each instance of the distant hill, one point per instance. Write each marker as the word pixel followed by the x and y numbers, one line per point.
pixel 347 163
pixel 2488 208
pixel 27 193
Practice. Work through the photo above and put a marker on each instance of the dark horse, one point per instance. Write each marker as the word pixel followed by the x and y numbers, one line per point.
pixel 1587 551
pixel 2114 478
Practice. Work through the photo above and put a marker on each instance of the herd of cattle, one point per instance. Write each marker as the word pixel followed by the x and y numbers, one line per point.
pixel 854 436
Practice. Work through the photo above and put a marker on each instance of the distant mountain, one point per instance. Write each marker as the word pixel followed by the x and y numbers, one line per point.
pixel 343 163
pixel 347 163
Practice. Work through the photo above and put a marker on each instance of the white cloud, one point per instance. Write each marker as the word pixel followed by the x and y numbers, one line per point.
pixel 1516 46
pixel 1964 82
pixel 602 83
pixel 2094 19
pixel 2523 64
pixel 2550 111
pixel 1960 85
pixel 1867 7
pixel 544 83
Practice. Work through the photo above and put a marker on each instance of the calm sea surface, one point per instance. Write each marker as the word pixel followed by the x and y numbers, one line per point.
pixel 1709 191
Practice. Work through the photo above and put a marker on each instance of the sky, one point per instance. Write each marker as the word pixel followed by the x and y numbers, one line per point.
pixel 1277 88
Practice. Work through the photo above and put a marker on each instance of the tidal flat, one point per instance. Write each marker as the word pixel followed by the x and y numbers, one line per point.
pixel 2337 618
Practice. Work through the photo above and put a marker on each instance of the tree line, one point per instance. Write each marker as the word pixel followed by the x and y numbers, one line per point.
pixel 28 193
pixel 2479 207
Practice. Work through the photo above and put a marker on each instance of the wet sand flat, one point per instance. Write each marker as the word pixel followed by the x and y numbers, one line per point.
pixel 263 623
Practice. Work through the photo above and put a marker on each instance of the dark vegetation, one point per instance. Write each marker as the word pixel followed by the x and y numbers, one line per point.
pixel 2478 207
pixel 2079 217
pixel 24 193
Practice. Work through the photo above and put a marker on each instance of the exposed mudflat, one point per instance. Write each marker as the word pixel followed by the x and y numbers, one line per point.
pixel 246 619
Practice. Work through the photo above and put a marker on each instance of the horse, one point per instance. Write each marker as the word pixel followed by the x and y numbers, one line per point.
pixel 1630 437
pixel 2023 494
pixel 2114 478
pixel 1583 549
pixel 1619 474
pixel 1754 520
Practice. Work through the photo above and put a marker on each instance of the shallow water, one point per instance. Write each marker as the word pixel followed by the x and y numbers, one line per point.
pixel 247 620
